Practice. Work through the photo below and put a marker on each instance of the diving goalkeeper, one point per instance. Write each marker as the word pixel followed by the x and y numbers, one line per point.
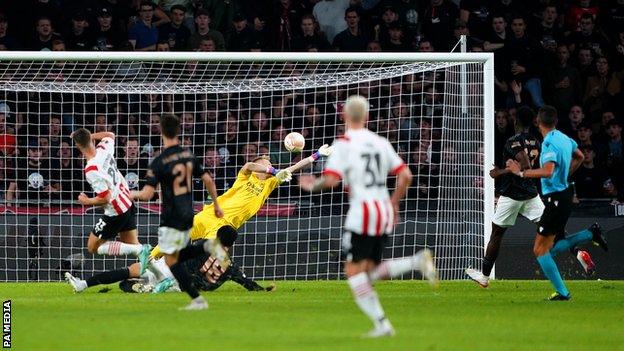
pixel 254 183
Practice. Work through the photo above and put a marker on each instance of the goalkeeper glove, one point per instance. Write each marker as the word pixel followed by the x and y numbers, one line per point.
pixel 323 151
pixel 284 176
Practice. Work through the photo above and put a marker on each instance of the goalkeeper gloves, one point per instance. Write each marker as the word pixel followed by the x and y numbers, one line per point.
pixel 284 176
pixel 323 151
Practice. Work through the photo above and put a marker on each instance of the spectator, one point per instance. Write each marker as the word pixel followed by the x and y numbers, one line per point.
pixel 438 21
pixel 382 30
pixel 547 31
pixel 575 13
pixel 461 28
pixel 585 64
pixel 619 48
pixel 70 174
pixel 242 38
pixel 143 35
pixel 425 45
pixel 285 18
pixel 615 157
pixel 175 33
pixel 207 45
pixel 78 37
pixel 259 126
pixel 7 139
pixel 202 20
pixel 132 166
pixel 329 14
pixel 523 58
pixel 8 186
pixel 248 152
pixel 45 35
pixel 354 38
pixel 373 46
pixel 107 36
pixel 55 131
pixel 223 175
pixel 476 14
pixel 163 46
pixel 396 41
pixel 495 40
pixel 36 180
pixel 279 155
pixel 504 130
pixel 584 138
pixel 563 82
pixel 588 36
pixel 591 181
pixel 602 88
pixel 570 125
pixel 223 11
pixel 59 45
pixel 311 36
pixel 7 41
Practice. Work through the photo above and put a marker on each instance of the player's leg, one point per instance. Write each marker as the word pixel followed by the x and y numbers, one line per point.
pixel 107 229
pixel 422 261
pixel 128 234
pixel 593 233
pixel 541 249
pixel 362 256
pixel 108 277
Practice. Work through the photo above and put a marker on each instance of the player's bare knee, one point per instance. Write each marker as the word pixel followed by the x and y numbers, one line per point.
pixel 134 270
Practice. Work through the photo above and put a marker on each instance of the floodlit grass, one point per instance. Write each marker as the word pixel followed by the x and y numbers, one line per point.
pixel 321 315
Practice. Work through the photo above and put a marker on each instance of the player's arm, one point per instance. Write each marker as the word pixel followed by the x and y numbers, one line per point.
pixel 404 180
pixel 315 185
pixel 212 190
pixel 323 151
pixel 98 200
pixel 546 171
pixel 145 194
pixel 102 135
pixel 284 175
pixel 577 160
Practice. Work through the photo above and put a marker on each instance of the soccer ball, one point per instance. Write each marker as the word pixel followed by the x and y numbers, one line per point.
pixel 294 142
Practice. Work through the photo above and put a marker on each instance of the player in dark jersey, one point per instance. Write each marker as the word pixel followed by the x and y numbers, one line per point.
pixel 173 169
pixel 516 195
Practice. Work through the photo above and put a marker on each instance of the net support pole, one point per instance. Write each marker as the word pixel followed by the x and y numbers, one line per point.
pixel 463 81
pixel 488 157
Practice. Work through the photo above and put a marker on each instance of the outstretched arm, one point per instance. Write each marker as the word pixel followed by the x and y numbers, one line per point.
pixel 323 151
pixel 102 135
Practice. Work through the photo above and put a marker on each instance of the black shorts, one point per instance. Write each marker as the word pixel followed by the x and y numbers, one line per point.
pixel 107 227
pixel 356 247
pixel 558 207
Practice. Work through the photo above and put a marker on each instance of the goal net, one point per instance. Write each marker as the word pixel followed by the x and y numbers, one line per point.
pixel 434 108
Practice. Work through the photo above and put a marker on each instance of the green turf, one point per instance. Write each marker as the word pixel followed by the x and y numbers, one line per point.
pixel 510 315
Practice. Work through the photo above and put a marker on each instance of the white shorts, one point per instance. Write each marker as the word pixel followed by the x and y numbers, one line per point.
pixel 507 210
pixel 171 240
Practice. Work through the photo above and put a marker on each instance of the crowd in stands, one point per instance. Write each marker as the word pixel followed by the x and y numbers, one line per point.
pixel 564 53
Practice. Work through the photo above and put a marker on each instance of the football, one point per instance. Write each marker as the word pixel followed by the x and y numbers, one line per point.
pixel 294 142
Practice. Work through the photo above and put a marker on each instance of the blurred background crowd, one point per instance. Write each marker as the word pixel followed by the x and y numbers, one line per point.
pixel 566 53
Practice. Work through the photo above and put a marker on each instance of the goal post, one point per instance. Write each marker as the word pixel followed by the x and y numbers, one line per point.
pixel 436 109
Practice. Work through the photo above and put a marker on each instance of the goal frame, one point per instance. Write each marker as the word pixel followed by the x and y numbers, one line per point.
pixel 487 59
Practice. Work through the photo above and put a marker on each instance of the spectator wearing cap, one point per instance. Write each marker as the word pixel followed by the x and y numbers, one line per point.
pixel 330 16
pixel 202 21
pixel 354 38
pixel 78 37
pixel 107 36
pixel 562 84
pixel 143 35
pixel 602 88
pixel 396 39
pixel 44 35
pixel 175 33
pixel 590 180
pixel 242 37
pixel 7 41
pixel 311 35
pixel 461 28
pixel 437 23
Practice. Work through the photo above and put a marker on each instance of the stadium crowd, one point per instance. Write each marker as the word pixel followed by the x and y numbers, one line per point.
pixel 565 53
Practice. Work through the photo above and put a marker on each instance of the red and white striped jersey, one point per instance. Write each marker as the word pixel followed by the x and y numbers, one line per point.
pixel 363 160
pixel 104 177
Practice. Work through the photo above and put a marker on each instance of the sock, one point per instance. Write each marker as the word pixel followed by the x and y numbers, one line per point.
pixel 366 298
pixel 488 264
pixel 395 268
pixel 160 269
pixel 109 277
pixel 549 267
pixel 184 279
pixel 571 241
pixel 117 248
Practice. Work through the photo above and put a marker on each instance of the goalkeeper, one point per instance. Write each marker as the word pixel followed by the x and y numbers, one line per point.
pixel 255 182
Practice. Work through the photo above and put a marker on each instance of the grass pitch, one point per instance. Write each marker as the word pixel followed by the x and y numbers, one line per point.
pixel 510 315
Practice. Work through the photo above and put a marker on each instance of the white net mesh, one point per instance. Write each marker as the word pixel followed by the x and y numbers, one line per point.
pixel 231 112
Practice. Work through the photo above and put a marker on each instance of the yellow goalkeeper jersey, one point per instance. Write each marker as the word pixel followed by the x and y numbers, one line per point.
pixel 241 202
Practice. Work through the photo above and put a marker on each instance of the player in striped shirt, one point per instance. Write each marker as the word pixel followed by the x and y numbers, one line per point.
pixel 363 160
pixel 112 194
